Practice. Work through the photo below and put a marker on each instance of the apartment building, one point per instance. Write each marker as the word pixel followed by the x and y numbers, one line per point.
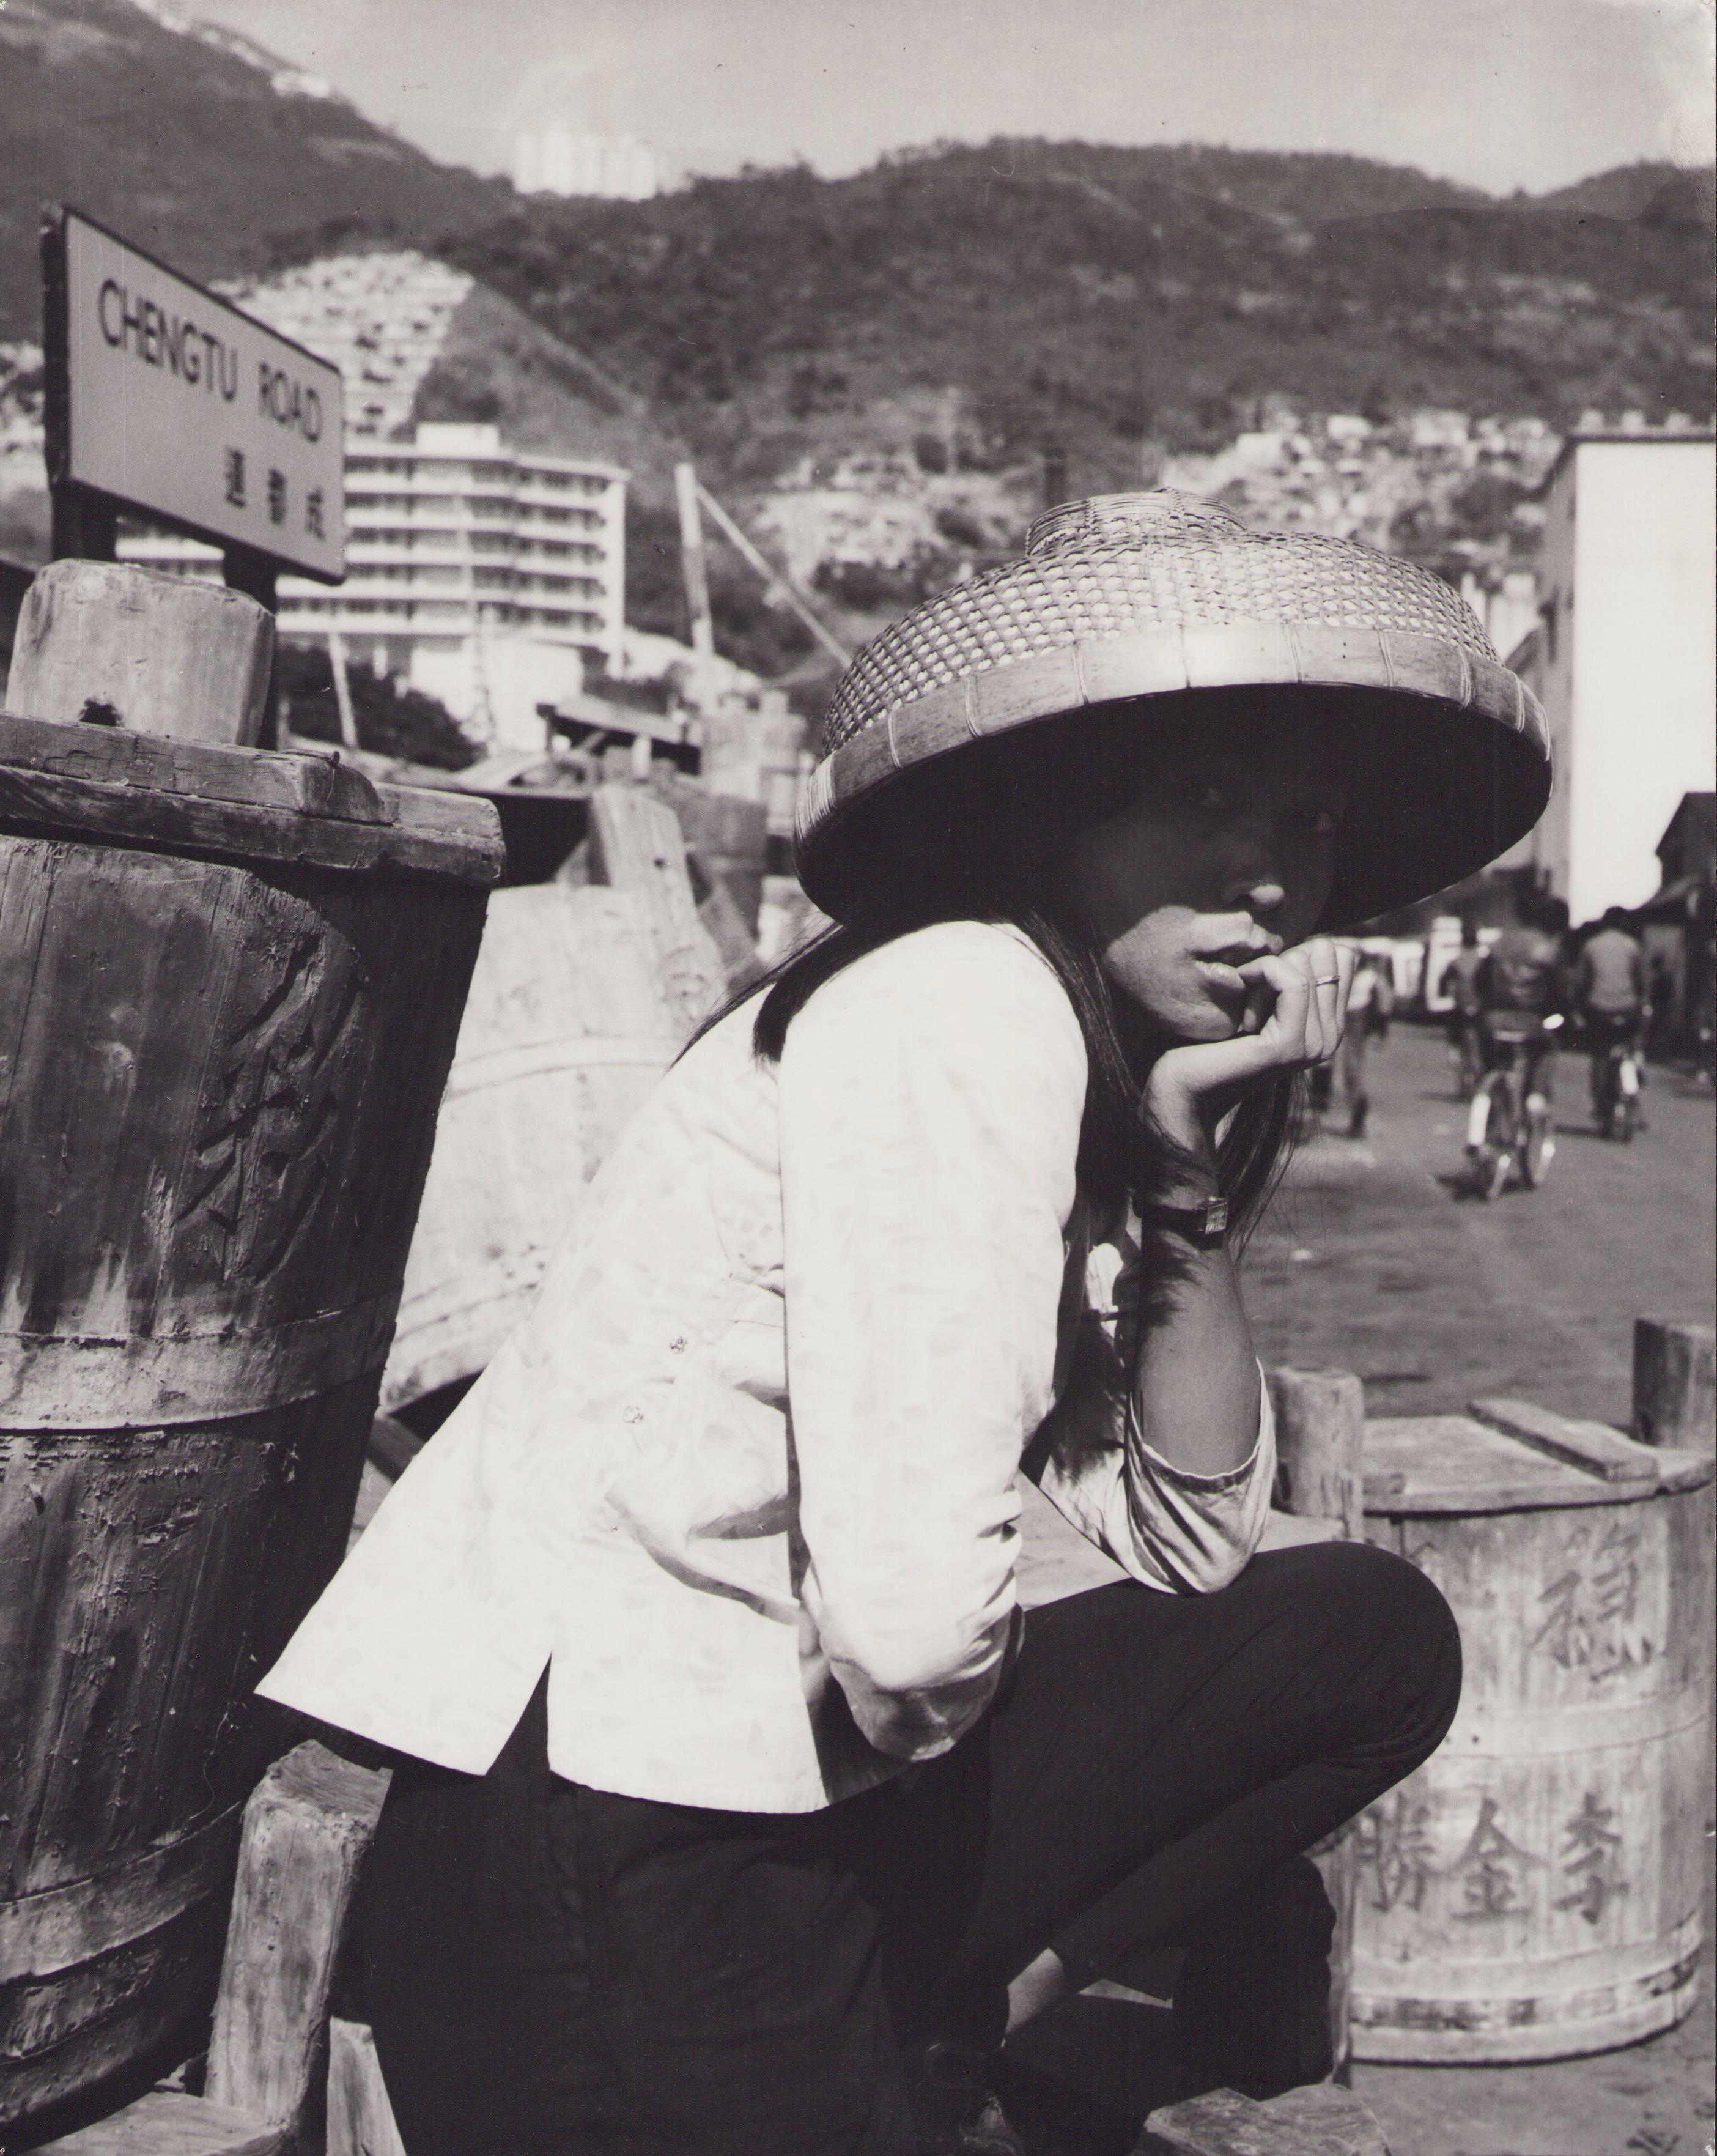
pixel 484 575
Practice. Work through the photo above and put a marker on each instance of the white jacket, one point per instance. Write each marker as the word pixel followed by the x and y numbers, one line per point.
pixel 743 1477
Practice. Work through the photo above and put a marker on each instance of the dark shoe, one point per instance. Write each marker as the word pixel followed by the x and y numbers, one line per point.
pixel 956 2110
pixel 1252 2007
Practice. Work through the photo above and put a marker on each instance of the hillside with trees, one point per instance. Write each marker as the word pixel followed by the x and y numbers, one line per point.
pixel 1106 297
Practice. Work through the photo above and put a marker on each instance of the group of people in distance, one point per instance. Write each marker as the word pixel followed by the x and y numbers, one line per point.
pixel 1518 990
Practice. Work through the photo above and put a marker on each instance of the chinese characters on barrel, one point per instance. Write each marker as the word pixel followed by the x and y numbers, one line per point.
pixel 1591 1623
pixel 1493 1871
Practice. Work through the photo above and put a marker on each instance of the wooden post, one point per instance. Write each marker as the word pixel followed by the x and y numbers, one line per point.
pixel 1675 1384
pixel 361 2120
pixel 1320 1432
pixel 691 555
pixel 342 688
pixel 775 581
pixel 114 646
pixel 244 569
pixel 637 847
pixel 306 1829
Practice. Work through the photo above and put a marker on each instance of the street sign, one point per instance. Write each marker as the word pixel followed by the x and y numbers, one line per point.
pixel 170 402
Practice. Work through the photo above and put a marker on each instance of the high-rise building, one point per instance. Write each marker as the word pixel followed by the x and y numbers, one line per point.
pixel 485 575
pixel 556 160
pixel 1624 656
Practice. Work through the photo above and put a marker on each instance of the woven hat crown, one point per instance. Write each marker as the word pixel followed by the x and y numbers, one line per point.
pixel 1142 563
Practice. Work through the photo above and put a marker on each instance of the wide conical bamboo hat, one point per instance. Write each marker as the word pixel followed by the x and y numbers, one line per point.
pixel 1128 597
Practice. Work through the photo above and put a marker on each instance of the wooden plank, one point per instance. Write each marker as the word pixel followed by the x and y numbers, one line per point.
pixel 167 2123
pixel 1675 1384
pixel 312 781
pixel 1229 2124
pixel 306 1831
pixel 361 2120
pixel 122 646
pixel 1591 1446
pixel 1449 1463
pixel 51 803
pixel 637 847
pixel 1320 1427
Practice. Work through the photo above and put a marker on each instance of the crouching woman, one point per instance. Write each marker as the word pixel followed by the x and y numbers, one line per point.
pixel 737 1807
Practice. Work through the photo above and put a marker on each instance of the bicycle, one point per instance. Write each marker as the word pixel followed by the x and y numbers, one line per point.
pixel 1615 1079
pixel 1509 1139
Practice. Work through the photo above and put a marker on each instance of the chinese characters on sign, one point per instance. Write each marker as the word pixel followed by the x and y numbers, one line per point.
pixel 177 405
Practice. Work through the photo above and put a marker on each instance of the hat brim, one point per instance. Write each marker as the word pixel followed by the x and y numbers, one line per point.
pixel 1446 755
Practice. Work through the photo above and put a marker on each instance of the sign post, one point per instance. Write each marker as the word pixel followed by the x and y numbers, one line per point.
pixel 162 398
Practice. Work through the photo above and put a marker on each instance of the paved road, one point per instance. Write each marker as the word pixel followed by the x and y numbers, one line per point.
pixel 1372 1261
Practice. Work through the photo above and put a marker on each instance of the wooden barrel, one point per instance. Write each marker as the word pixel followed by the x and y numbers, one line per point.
pixel 567 1027
pixel 230 984
pixel 1535 1890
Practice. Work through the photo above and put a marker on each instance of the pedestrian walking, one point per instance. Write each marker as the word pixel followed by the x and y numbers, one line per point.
pixel 1460 984
pixel 738 1809
pixel 1370 1004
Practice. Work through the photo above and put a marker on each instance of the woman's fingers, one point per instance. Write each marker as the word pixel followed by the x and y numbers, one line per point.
pixel 1329 997
pixel 1298 1006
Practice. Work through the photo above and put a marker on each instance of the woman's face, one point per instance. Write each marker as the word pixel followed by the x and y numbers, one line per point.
pixel 1225 852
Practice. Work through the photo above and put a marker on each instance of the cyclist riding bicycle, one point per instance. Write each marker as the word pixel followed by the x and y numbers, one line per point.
pixel 1613 1008
pixel 1523 996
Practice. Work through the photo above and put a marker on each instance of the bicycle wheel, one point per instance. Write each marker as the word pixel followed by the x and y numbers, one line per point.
pixel 1537 1148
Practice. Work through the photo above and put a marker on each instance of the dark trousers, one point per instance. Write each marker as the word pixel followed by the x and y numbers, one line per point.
pixel 552 1969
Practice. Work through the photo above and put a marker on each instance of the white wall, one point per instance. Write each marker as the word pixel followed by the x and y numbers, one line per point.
pixel 1643 637
pixel 493 684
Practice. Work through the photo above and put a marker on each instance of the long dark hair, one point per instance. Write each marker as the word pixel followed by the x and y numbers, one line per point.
pixel 982 836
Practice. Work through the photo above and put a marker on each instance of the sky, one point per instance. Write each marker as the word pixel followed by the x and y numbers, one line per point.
pixel 1498 93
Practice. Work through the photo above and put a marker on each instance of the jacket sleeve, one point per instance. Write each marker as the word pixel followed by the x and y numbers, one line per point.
pixel 1171 1529
pixel 930 1099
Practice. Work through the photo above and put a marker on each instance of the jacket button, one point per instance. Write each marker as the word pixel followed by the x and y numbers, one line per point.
pixel 632 1414
pixel 676 1346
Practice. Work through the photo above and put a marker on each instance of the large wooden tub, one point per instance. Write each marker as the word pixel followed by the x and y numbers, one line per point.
pixel 1534 1890
pixel 230 984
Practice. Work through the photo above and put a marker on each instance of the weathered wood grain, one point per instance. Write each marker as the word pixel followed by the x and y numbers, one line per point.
pixel 306 1829
pixel 105 643
pixel 1319 2121
pixel 1593 1446
pixel 1675 1384
pixel 169 2123
pixel 1320 1423
pixel 637 848
pixel 566 1028
pixel 217 1086
pixel 361 2120
pixel 1536 1888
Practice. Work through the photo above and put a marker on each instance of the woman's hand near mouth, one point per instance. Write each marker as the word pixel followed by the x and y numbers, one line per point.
pixel 1295 1007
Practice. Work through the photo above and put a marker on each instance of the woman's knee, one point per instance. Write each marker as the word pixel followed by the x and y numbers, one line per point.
pixel 1396 1633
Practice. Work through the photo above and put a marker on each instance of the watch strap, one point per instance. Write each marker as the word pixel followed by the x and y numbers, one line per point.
pixel 1206 1225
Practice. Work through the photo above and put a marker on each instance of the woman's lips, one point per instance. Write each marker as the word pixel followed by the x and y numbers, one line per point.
pixel 1219 977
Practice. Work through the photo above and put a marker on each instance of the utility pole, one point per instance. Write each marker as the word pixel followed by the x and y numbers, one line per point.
pixel 691 556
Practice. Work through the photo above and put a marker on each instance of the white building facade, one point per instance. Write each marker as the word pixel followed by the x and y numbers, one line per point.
pixel 1624 656
pixel 484 576
pixel 556 161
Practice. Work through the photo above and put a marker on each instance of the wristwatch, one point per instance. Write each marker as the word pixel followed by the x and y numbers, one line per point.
pixel 1206 1225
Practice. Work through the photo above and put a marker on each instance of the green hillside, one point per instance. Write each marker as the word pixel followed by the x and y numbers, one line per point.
pixel 184 143
pixel 1103 296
